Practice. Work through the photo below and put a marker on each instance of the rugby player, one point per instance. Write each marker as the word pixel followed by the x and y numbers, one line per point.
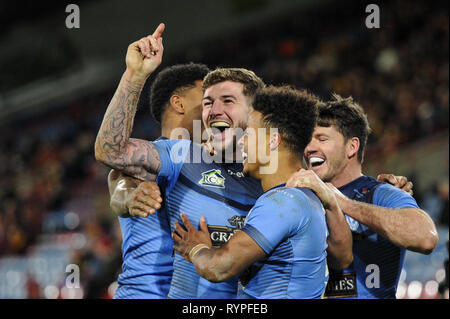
pixel 175 100
pixel 384 220
pixel 213 185
pixel 230 94
pixel 284 238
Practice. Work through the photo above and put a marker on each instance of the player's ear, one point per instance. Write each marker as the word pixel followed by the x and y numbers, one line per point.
pixel 352 147
pixel 275 140
pixel 176 102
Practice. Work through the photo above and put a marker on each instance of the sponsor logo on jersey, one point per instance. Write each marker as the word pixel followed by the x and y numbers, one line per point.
pixel 213 178
pixel 238 174
pixel 341 285
pixel 221 234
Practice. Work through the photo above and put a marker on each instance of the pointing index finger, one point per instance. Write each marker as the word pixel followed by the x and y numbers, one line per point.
pixel 159 30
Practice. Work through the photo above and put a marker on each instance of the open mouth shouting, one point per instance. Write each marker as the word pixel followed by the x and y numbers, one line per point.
pixel 219 129
pixel 315 162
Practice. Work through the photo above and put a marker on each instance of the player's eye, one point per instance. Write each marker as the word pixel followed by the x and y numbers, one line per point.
pixel 207 103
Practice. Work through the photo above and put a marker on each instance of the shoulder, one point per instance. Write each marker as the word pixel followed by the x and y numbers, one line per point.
pixel 387 195
pixel 175 150
pixel 289 199
pixel 170 143
pixel 282 196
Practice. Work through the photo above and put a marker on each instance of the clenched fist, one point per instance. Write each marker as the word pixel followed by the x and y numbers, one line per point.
pixel 145 55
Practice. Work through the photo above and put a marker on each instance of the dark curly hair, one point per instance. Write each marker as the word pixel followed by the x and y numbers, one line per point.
pixel 172 80
pixel 293 112
pixel 348 117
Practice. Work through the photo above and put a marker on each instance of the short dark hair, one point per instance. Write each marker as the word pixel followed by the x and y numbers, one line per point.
pixel 293 112
pixel 173 79
pixel 348 117
pixel 252 83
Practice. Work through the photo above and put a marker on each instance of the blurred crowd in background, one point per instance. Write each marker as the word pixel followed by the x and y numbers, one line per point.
pixel 54 202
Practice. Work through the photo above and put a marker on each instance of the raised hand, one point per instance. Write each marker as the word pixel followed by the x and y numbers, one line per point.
pixel 145 55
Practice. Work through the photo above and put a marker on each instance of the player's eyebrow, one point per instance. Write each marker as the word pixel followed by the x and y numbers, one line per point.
pixel 228 96
pixel 222 97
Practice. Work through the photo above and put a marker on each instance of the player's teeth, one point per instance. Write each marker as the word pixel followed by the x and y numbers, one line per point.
pixel 220 124
pixel 316 160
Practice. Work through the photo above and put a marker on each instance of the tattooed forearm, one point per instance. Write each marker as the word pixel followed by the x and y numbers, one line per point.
pixel 114 147
pixel 118 120
pixel 141 160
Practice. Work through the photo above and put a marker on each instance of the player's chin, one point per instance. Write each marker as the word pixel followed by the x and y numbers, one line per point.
pixel 221 146
pixel 320 171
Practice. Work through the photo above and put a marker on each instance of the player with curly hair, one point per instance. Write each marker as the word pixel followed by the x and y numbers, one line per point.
pixel 284 238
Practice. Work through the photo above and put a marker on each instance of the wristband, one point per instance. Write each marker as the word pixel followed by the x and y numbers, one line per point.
pixel 195 250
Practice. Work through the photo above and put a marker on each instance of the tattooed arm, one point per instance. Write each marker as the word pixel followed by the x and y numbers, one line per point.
pixel 113 146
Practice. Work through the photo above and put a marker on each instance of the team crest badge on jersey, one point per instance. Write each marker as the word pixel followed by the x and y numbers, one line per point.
pixel 213 178
pixel 237 221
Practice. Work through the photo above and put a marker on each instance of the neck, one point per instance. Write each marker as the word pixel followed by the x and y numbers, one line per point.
pixel 168 124
pixel 165 130
pixel 231 157
pixel 351 172
pixel 288 164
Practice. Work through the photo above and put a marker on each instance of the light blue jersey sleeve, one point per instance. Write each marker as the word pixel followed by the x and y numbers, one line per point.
pixel 390 196
pixel 276 216
pixel 173 154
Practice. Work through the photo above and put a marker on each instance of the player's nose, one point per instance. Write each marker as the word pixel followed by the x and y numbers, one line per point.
pixel 310 148
pixel 217 108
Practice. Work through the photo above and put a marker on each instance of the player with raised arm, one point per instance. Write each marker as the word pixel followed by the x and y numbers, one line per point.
pixel 113 145
pixel 284 238
pixel 175 100
pixel 227 102
pixel 383 219
pixel 216 185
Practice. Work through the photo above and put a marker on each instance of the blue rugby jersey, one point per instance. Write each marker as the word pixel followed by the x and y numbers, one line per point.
pixel 147 257
pixel 220 192
pixel 377 263
pixel 289 225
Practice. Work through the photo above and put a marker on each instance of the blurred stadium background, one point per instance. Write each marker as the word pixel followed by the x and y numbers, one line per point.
pixel 55 84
